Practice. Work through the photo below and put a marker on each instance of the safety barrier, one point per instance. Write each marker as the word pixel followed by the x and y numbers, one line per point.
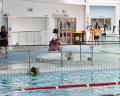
pixel 84 57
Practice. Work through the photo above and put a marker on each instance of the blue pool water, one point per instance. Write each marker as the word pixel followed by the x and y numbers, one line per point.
pixel 18 81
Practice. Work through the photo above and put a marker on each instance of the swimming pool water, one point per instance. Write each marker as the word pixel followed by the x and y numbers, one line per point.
pixel 18 81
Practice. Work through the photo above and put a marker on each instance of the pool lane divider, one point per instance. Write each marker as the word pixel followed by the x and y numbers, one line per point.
pixel 69 86
pixel 111 95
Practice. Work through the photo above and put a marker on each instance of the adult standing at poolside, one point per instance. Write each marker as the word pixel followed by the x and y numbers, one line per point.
pixel 4 38
pixel 96 33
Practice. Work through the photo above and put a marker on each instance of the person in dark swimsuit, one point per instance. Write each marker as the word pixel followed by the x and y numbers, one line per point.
pixel 4 38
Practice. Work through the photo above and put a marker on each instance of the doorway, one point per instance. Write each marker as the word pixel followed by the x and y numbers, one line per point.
pixel 66 27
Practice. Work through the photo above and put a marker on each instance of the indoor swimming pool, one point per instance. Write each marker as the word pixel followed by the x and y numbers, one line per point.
pixel 10 83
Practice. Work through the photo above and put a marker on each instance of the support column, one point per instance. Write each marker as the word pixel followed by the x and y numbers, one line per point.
pixel 87 21
pixel 1 12
pixel 117 20
pixel 89 39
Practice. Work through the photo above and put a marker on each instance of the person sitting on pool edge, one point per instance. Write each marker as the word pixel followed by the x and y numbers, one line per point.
pixel 34 71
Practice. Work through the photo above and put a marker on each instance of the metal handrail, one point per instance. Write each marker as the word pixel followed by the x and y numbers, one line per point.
pixel 25 31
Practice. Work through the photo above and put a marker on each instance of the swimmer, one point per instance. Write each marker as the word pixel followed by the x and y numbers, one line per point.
pixel 34 71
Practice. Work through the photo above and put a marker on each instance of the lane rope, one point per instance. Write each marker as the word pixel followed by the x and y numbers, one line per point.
pixel 63 87
pixel 70 86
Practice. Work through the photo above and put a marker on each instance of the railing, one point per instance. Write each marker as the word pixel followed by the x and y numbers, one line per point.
pixel 27 37
pixel 69 58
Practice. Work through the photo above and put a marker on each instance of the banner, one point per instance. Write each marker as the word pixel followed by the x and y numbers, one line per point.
pixel 87 28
